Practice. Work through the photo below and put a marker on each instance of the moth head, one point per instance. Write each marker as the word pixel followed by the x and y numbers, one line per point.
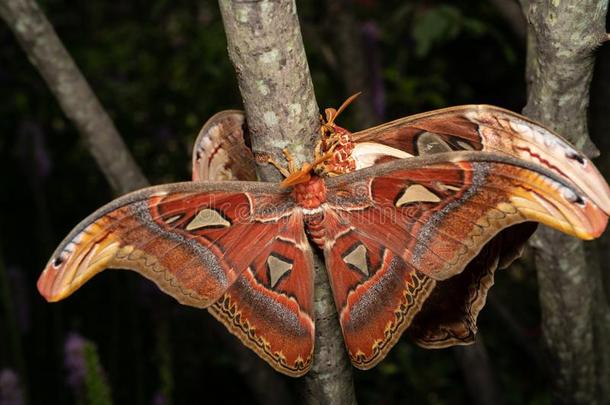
pixel 303 175
pixel 331 137
pixel 328 127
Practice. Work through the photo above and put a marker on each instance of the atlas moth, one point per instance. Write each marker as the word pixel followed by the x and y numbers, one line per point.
pixel 412 217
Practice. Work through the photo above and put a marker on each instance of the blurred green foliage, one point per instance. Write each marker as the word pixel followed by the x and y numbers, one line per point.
pixel 161 69
pixel 97 391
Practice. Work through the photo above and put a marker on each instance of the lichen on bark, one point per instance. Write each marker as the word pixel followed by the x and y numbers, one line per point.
pixel 266 48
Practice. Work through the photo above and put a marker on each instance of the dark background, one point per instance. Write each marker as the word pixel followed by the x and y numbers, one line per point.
pixel 161 69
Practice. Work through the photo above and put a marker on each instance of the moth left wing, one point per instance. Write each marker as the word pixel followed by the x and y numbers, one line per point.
pixel 429 217
pixel 246 308
pixel 206 244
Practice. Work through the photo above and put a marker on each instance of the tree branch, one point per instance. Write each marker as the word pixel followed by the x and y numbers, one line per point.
pixel 561 40
pixel 330 379
pixel 46 52
pixel 266 48
pixel 560 60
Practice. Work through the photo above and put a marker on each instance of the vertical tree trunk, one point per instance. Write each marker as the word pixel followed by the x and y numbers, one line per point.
pixel 266 48
pixel 562 37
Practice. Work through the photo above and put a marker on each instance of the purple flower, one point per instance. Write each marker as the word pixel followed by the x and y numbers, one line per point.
pixel 10 390
pixel 85 373
pixel 74 360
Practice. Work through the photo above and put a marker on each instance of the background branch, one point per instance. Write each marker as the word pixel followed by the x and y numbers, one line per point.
pixel 561 39
pixel 46 52
pixel 266 48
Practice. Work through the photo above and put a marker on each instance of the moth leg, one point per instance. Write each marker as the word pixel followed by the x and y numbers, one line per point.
pixel 317 152
pixel 323 127
pixel 292 167
pixel 279 167
pixel 335 143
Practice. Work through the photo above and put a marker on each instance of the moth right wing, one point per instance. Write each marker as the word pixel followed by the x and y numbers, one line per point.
pixel 490 129
pixel 487 129
pixel 396 232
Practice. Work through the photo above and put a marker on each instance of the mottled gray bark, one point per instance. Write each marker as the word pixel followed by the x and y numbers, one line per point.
pixel 562 37
pixel 266 48
pixel 330 378
pixel 46 52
